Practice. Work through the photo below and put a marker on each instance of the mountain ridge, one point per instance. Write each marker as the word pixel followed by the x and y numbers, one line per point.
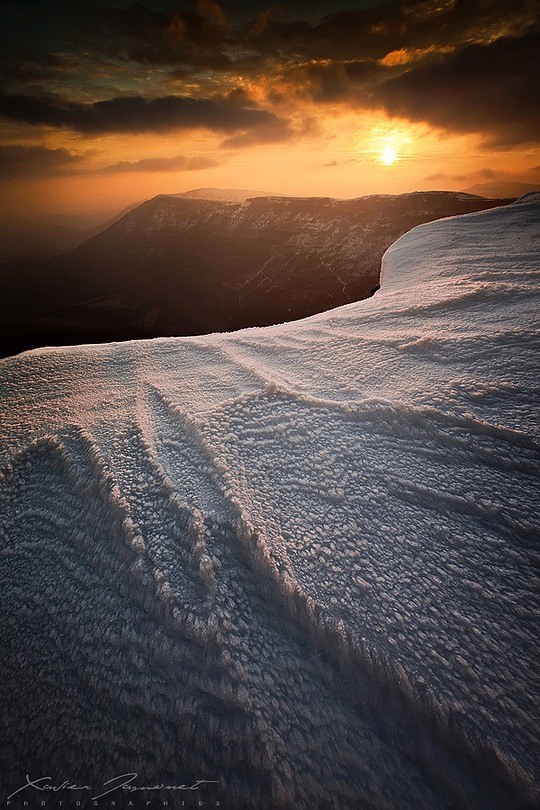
pixel 180 265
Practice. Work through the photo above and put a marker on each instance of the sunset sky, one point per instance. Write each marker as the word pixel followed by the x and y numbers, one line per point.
pixel 103 104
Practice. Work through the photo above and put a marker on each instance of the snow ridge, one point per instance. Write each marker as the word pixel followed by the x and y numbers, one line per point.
pixel 298 560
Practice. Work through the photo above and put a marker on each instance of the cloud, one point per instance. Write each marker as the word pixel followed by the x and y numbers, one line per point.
pixel 274 132
pixel 134 114
pixel 481 174
pixel 378 30
pixel 405 56
pixel 491 89
pixel 328 82
pixel 460 66
pixel 331 164
pixel 248 36
pixel 530 175
pixel 39 161
pixel 469 69
pixel 163 164
pixel 32 161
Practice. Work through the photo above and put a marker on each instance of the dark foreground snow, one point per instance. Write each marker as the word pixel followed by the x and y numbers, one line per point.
pixel 302 560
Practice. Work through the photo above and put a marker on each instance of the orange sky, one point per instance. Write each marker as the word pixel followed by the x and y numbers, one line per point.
pixel 368 98
pixel 346 159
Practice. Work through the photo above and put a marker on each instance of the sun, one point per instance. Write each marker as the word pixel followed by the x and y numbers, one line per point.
pixel 388 156
pixel 389 143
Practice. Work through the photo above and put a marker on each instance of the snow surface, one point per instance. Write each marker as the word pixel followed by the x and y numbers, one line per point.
pixel 299 560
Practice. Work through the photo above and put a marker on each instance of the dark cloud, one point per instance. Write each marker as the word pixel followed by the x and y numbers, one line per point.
pixel 205 35
pixel 192 35
pixel 329 82
pixel 137 114
pixel 371 33
pixel 491 89
pixel 20 161
pixel 462 66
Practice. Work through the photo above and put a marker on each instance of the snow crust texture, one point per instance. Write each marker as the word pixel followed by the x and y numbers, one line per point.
pixel 301 560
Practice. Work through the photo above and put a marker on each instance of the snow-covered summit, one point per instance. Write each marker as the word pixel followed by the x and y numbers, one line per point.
pixel 222 194
pixel 299 560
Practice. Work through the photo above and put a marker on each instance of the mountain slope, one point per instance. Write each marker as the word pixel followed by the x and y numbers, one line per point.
pixel 176 265
pixel 299 561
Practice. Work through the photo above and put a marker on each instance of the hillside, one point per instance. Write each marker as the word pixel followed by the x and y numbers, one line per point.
pixel 298 561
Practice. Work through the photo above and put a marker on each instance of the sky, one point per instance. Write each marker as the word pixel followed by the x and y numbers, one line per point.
pixel 103 104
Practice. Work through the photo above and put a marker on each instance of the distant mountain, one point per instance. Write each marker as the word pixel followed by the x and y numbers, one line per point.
pixel 223 194
pixel 178 265
pixel 500 188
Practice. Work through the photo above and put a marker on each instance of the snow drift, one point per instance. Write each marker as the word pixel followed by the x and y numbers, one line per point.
pixel 299 560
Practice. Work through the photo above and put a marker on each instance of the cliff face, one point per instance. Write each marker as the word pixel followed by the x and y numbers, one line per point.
pixel 178 266
pixel 299 561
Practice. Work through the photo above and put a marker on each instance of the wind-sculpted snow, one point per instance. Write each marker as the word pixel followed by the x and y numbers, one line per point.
pixel 300 561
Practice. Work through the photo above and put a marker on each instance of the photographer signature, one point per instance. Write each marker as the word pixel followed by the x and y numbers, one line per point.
pixel 122 782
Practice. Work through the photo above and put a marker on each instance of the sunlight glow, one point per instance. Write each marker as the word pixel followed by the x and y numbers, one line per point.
pixel 388 156
pixel 389 143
